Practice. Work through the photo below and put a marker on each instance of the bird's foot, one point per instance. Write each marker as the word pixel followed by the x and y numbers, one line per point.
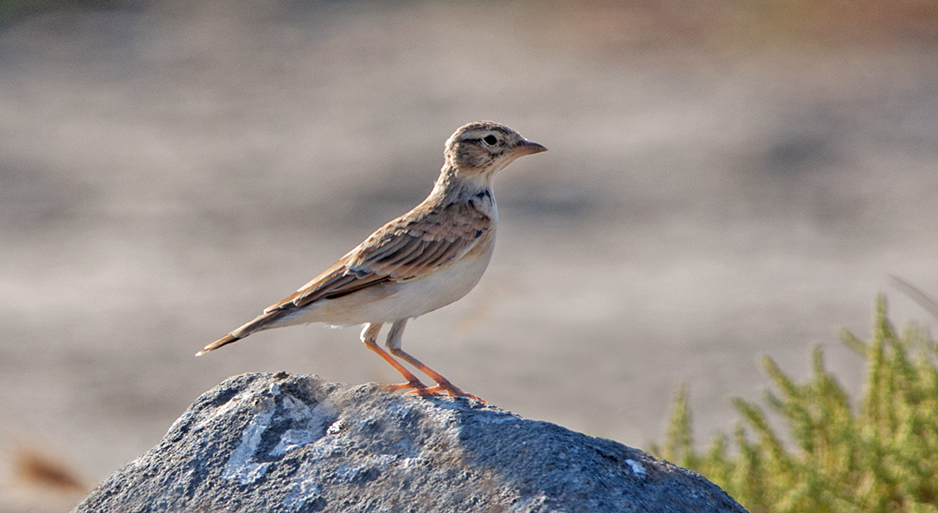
pixel 427 391
pixel 417 385
pixel 450 389
pixel 460 393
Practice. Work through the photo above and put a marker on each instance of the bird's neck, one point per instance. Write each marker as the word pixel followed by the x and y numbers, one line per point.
pixel 453 186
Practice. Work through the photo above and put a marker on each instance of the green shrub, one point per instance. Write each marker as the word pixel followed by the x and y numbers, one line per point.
pixel 879 457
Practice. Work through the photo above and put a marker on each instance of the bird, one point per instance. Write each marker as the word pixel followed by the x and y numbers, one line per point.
pixel 421 261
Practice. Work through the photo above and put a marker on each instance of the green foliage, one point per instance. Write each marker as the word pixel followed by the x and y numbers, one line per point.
pixel 880 457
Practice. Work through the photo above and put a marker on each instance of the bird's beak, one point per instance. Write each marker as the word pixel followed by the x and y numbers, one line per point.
pixel 527 148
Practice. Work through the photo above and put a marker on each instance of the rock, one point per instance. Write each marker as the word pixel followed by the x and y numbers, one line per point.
pixel 275 442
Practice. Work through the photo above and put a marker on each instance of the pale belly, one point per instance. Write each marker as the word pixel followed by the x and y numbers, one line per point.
pixel 391 302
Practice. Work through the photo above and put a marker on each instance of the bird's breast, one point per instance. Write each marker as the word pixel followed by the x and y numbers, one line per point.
pixel 484 202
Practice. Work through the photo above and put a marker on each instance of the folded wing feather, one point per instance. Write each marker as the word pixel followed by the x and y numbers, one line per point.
pixel 420 242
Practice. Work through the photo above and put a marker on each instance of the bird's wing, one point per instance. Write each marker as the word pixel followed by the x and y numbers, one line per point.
pixel 409 247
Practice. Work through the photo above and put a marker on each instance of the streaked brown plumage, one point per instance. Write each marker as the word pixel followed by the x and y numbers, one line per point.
pixel 421 261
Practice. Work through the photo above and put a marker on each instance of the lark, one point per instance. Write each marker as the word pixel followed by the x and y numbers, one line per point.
pixel 421 261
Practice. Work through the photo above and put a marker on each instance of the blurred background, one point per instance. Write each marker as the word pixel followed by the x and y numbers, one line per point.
pixel 725 180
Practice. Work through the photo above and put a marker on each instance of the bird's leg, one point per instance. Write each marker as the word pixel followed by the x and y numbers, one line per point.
pixel 370 338
pixel 394 345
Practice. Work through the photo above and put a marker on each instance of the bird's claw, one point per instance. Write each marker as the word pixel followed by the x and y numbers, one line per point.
pixel 424 391
pixel 452 391
pixel 417 385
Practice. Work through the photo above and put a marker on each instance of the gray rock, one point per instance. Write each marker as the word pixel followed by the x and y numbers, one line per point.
pixel 275 442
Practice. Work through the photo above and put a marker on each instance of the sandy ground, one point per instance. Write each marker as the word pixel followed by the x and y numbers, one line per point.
pixel 709 196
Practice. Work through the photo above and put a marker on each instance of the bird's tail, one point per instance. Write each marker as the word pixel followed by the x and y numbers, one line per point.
pixel 258 324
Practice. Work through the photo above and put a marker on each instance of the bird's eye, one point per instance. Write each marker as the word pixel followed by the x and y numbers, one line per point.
pixel 490 140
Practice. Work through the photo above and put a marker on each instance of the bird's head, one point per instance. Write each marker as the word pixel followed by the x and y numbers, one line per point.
pixel 483 148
